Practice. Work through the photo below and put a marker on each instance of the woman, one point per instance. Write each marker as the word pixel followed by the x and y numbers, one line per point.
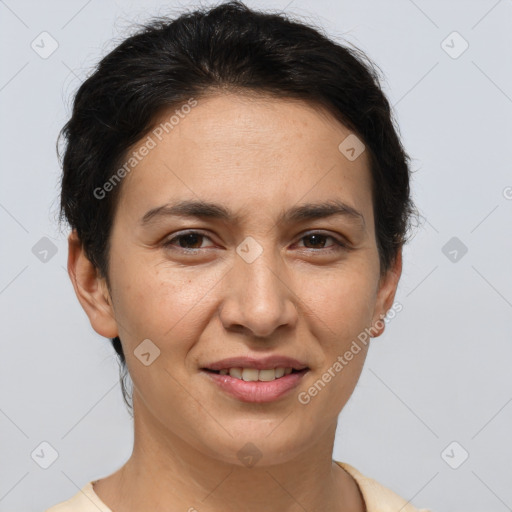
pixel 239 199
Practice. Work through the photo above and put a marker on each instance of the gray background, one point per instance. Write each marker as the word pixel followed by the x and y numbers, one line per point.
pixel 440 373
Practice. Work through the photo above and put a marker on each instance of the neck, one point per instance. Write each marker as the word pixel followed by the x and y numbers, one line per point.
pixel 166 473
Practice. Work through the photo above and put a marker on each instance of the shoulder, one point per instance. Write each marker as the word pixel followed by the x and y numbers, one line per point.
pixel 85 500
pixel 377 497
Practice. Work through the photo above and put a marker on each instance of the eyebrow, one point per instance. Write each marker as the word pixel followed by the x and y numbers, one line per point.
pixel 204 209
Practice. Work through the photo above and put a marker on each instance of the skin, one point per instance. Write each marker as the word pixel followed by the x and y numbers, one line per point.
pixel 257 156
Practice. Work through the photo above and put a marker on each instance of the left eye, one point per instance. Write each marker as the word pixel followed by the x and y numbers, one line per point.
pixel 318 239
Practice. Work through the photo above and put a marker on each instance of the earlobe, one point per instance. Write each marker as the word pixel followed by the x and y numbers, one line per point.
pixel 90 289
pixel 386 295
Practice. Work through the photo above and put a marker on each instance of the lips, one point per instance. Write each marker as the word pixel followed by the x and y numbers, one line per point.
pixel 259 391
pixel 257 380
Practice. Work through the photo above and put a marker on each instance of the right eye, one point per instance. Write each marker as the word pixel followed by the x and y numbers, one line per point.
pixel 185 240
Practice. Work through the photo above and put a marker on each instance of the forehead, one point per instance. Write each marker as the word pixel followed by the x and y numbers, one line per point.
pixel 246 149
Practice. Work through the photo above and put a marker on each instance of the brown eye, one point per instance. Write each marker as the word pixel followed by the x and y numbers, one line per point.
pixel 318 241
pixel 188 241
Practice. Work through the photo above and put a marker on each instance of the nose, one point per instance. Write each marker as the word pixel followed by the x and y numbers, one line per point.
pixel 258 297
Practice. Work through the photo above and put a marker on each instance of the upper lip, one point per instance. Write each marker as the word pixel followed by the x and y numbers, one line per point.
pixel 261 363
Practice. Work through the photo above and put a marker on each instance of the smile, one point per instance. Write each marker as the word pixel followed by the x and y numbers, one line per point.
pixel 257 386
pixel 252 374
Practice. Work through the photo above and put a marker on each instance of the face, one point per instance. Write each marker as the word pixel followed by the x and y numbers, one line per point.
pixel 259 273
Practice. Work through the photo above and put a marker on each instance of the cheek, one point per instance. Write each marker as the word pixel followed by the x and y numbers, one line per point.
pixel 342 302
pixel 155 301
pixel 162 304
pixel 340 308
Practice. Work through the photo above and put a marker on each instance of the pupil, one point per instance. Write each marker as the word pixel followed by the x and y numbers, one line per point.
pixel 189 239
pixel 315 237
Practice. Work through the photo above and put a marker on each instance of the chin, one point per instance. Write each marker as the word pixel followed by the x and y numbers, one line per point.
pixel 259 443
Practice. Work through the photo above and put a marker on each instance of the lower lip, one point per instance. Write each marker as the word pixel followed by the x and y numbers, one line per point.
pixel 257 391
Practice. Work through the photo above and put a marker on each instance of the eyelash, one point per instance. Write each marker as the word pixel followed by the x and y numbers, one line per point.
pixel 338 244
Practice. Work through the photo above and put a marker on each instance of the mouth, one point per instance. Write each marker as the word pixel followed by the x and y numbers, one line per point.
pixel 255 375
pixel 253 385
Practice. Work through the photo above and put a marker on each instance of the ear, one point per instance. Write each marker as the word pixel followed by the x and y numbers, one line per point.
pixel 91 289
pixel 386 295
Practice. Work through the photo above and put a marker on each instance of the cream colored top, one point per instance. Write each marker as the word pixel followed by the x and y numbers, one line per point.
pixel 377 498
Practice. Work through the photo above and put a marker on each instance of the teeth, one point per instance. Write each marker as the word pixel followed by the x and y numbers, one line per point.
pixel 235 372
pixel 252 374
pixel 267 375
